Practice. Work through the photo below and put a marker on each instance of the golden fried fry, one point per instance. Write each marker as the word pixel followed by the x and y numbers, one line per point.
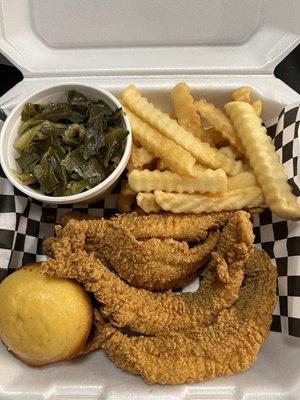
pixel 200 169
pixel 186 111
pixel 175 157
pixel 209 181
pixel 127 190
pixel 125 199
pixel 230 151
pixel 242 94
pixel 129 166
pixel 257 106
pixel 242 180
pixel 140 156
pixel 160 165
pixel 124 203
pixel 216 137
pixel 264 161
pixel 202 152
pixel 220 122
pixel 147 202
pixel 238 167
pixel 246 166
pixel 198 203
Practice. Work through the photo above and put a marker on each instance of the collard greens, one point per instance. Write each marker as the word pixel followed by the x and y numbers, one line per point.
pixel 71 146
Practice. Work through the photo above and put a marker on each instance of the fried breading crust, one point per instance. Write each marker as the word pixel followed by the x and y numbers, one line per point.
pixel 228 345
pixel 150 313
pixel 126 244
pixel 188 227
pixel 153 264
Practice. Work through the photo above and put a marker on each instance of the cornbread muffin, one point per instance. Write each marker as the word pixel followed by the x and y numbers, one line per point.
pixel 43 319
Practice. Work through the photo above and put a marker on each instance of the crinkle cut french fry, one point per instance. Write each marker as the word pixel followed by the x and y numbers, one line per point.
pixel 125 198
pixel 140 156
pixel 264 161
pixel 246 166
pixel 209 181
pixel 242 180
pixel 238 167
pixel 129 165
pixel 230 151
pixel 242 93
pixel 160 165
pixel 147 202
pixel 186 112
pixel 198 203
pixel 162 122
pixel 257 106
pixel 219 121
pixel 124 203
pixel 175 157
pixel 199 169
pixel 127 190
pixel 216 137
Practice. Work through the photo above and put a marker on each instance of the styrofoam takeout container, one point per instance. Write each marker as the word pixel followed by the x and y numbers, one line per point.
pixel 215 46
pixel 54 94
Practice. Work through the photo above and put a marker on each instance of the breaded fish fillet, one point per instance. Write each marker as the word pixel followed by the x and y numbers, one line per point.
pixel 125 244
pixel 150 313
pixel 153 264
pixel 230 344
pixel 187 227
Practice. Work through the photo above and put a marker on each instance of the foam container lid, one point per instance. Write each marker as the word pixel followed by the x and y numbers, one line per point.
pixel 76 37
pixel 215 46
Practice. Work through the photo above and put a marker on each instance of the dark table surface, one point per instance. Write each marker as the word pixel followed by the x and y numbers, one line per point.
pixel 288 71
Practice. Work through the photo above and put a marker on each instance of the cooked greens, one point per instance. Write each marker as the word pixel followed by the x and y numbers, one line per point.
pixel 71 146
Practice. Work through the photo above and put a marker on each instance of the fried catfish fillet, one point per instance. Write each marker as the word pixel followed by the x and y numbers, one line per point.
pixel 127 245
pixel 230 344
pixel 187 227
pixel 152 313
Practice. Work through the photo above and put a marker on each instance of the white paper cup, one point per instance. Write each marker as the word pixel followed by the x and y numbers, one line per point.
pixel 9 134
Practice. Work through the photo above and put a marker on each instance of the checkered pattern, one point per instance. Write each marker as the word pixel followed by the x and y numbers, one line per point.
pixel 24 223
pixel 280 238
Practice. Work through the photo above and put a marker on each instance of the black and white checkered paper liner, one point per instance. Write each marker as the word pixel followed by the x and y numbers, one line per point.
pixel 24 223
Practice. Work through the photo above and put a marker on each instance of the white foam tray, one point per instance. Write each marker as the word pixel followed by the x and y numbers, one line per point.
pixel 275 375
pixel 214 46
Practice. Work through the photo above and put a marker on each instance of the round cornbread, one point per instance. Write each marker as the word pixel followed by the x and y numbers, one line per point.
pixel 43 319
